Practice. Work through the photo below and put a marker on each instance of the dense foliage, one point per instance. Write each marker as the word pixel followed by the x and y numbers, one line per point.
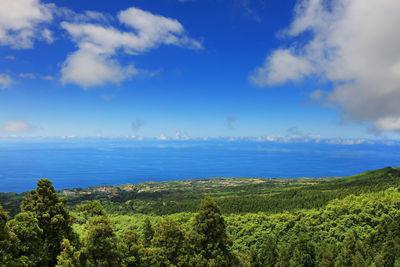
pixel 353 221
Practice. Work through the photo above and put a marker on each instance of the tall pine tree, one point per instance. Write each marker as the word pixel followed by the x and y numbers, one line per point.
pixel 209 239
pixel 53 218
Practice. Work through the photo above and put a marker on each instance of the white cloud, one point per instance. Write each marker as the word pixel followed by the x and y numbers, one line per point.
pixel 280 67
pixel 22 20
pixel 94 63
pixel 88 69
pixel 5 80
pixel 355 45
pixel 17 127
pixel 388 123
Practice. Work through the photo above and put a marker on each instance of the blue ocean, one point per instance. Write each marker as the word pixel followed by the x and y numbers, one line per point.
pixel 71 164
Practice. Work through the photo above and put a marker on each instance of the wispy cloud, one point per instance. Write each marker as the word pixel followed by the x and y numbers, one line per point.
pixel 354 45
pixel 47 77
pixel 27 75
pixel 36 76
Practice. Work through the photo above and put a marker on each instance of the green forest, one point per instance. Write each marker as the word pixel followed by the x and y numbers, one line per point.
pixel 330 221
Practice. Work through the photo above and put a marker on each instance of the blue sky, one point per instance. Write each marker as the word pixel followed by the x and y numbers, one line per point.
pixel 210 68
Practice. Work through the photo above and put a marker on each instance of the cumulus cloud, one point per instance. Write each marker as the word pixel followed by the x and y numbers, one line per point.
pixel 22 21
pixel 87 69
pixel 280 67
pixel 95 64
pixel 355 46
pixel 17 127
pixel 5 80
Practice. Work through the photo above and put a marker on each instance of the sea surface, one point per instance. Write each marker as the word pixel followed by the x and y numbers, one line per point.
pixel 71 164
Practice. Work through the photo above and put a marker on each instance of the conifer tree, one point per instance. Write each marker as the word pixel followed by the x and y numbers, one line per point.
pixel 209 239
pixel 53 218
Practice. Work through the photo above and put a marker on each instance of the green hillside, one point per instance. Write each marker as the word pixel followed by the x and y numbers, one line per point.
pixel 349 221
pixel 233 195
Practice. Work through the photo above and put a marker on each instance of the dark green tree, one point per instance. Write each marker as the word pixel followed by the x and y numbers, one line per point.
pixel 91 209
pixel 5 244
pixel 303 252
pixel 352 252
pixel 69 257
pixel 101 244
pixel 326 254
pixel 53 218
pixel 131 245
pixel 210 242
pixel 170 238
pixel 148 232
pixel 152 257
pixel 284 255
pixel 28 241
pixel 266 254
